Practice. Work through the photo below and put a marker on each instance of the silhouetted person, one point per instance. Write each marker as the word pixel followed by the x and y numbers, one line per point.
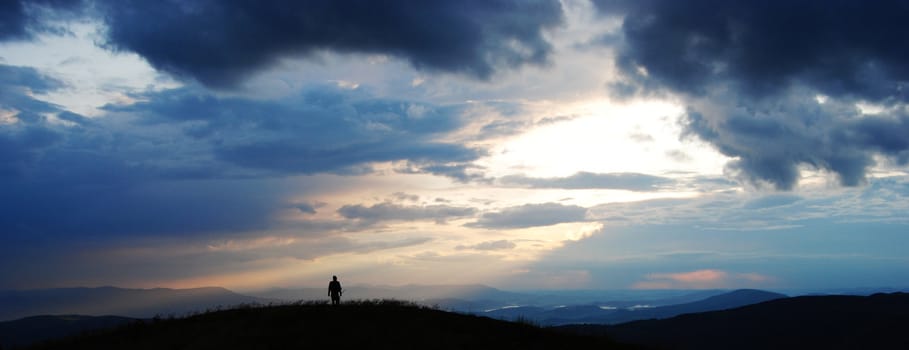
pixel 334 290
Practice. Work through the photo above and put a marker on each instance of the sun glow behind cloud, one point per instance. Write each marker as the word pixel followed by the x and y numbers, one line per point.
pixel 603 136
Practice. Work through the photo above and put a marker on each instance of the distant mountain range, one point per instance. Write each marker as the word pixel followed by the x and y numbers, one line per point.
pixel 136 303
pixel 609 314
pixel 879 321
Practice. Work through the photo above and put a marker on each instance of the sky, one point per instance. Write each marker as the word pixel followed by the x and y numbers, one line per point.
pixel 541 144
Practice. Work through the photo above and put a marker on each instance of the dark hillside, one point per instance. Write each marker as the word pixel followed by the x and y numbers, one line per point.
pixel 879 321
pixel 367 325
pixel 33 329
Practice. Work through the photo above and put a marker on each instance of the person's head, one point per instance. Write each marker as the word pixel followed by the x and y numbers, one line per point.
pixel 334 278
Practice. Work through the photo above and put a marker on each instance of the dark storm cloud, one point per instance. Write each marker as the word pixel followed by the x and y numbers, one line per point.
pixel 773 140
pixel 531 215
pixel 12 20
pixel 324 129
pixel 463 172
pixel 171 165
pixel 222 42
pixel 886 135
pixel 21 19
pixel 24 137
pixel 587 180
pixel 74 184
pixel 751 72
pixel 306 208
pixel 396 212
pixel 18 85
pixel 842 48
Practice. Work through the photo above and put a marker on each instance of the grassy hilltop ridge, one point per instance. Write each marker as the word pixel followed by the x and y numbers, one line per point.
pixel 389 324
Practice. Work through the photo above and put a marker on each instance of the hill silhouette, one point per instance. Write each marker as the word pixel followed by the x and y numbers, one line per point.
pixel 385 324
pixel 879 321
pixel 34 329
